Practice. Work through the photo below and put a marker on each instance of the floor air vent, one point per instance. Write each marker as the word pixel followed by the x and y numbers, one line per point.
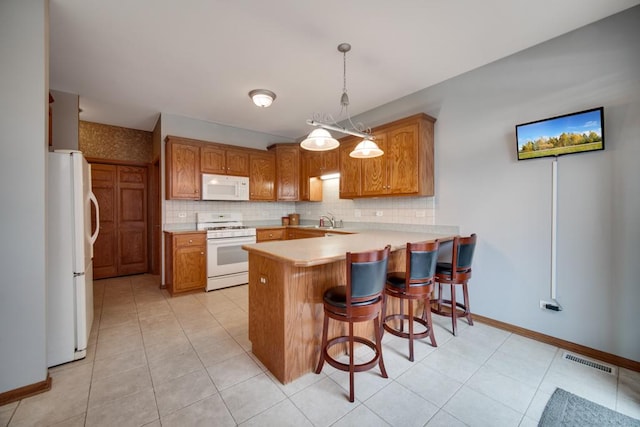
pixel 590 363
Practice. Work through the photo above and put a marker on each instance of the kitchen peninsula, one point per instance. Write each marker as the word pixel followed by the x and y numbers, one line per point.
pixel 287 280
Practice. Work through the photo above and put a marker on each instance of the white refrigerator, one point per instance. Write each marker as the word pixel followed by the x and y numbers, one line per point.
pixel 69 243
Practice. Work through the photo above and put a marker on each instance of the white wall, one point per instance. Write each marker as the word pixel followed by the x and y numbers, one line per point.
pixel 481 186
pixel 24 42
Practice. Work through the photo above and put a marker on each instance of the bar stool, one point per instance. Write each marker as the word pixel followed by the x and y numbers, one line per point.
pixel 462 257
pixel 360 300
pixel 413 284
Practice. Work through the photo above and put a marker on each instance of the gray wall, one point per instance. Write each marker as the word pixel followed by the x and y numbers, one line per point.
pixel 65 120
pixel 481 186
pixel 24 42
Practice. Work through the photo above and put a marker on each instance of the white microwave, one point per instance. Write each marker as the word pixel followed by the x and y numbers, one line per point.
pixel 224 187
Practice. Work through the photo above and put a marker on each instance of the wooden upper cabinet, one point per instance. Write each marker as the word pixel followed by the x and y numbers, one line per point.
pixel 262 176
pixel 350 169
pixel 220 159
pixel 405 169
pixel 374 171
pixel 323 162
pixel 182 169
pixel 287 171
pixel 212 159
pixel 237 162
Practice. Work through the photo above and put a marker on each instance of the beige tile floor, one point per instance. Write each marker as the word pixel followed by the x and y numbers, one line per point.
pixel 160 361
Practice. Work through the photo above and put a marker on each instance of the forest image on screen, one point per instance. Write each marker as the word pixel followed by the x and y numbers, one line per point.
pixel 568 134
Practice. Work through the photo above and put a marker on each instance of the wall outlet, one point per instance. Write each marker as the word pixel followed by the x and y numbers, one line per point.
pixel 379 213
pixel 549 305
pixel 182 214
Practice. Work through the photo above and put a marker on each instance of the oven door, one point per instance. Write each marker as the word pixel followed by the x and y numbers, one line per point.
pixel 225 256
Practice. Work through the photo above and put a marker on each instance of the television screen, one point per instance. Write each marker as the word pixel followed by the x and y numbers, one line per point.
pixel 557 136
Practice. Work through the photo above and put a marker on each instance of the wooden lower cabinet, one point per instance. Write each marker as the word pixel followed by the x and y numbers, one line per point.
pixel 121 247
pixel 185 261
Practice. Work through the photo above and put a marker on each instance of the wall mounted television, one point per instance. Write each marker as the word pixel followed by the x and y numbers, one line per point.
pixel 556 136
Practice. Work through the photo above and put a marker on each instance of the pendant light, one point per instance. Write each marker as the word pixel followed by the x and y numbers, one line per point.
pixel 321 140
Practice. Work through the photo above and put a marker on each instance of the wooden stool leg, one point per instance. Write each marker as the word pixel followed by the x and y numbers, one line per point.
pixel 410 317
pixel 465 291
pixel 427 317
pixel 454 309
pixel 377 330
pixel 323 346
pixel 384 313
pixel 351 364
pixel 401 315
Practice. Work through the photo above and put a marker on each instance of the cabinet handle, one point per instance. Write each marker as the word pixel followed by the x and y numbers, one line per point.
pixel 201 253
pixel 190 241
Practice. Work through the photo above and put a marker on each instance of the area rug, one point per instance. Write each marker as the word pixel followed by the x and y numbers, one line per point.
pixel 567 409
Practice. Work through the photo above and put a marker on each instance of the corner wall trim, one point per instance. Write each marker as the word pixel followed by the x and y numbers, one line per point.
pixel 26 391
pixel 567 345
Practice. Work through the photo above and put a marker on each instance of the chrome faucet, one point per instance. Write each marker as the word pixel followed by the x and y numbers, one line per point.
pixel 331 219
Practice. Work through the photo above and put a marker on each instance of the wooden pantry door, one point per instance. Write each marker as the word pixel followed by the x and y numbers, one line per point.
pixel 121 248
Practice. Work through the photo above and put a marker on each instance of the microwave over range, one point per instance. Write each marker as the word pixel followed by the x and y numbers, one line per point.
pixel 224 187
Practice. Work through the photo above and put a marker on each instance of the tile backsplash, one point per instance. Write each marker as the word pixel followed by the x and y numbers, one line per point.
pixel 392 210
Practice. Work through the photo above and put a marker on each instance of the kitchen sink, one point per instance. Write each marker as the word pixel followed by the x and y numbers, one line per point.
pixel 317 226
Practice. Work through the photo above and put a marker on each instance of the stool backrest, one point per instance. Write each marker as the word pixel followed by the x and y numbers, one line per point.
pixel 366 274
pixel 463 249
pixel 422 258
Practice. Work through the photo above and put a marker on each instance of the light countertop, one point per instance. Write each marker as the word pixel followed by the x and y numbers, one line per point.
pixel 324 250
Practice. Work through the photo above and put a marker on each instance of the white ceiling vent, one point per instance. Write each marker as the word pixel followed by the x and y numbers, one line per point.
pixel 590 363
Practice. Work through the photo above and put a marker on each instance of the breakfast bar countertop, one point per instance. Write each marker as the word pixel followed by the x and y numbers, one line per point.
pixel 328 249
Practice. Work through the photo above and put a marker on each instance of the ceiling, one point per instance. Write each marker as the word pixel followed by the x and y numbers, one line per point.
pixel 130 61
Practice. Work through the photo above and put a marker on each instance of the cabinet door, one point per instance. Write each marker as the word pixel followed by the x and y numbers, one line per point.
pixel 105 249
pixel 237 162
pixel 402 160
pixel 315 163
pixel 190 268
pixel 212 160
pixel 374 171
pixel 262 176
pixel 183 171
pixel 350 170
pixel 132 220
pixel 288 173
pixel 331 161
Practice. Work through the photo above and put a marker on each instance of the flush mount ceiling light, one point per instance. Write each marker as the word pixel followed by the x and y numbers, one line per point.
pixel 262 97
pixel 321 140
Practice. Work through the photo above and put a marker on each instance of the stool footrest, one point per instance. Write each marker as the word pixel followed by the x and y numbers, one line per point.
pixel 356 367
pixel 403 334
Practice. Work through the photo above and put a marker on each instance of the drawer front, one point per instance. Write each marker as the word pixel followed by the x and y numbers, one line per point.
pixel 183 240
pixel 271 234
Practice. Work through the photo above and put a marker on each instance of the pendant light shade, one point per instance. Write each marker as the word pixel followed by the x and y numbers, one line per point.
pixel 319 140
pixel 366 149
pixel 262 97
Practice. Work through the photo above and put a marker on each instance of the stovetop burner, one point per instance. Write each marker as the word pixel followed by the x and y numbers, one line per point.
pixel 227 227
pixel 223 225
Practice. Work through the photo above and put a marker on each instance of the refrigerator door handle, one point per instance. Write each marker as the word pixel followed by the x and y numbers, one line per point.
pixel 94 236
